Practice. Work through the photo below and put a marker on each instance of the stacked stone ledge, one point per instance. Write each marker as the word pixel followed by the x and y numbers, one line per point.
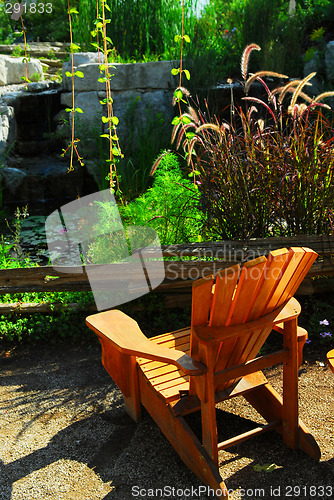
pixel 150 85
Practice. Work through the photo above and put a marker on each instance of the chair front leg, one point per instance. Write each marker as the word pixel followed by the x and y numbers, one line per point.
pixel 290 386
pixel 205 391
pixel 123 370
pixel 209 420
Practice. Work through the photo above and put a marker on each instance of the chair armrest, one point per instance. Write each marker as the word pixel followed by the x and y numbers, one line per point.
pixel 125 335
pixel 330 359
pixel 208 334
pixel 301 332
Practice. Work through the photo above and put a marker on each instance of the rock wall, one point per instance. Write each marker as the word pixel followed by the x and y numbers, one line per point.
pixel 12 69
pixel 144 88
pixel 31 169
pixel 7 128
pixel 322 63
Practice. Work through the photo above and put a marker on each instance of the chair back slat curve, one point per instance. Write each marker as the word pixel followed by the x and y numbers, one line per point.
pixel 240 295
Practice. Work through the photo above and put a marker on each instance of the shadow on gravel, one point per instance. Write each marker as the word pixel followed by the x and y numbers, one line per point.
pixel 60 407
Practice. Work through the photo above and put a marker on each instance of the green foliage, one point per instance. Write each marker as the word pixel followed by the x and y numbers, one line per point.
pixel 316 54
pixel 145 135
pixel 318 317
pixel 170 206
pixel 6 29
pixel 227 26
pixel 17 51
pixel 46 21
pixel 260 27
pixel 268 172
pixel 35 77
pixel 16 327
pixel 137 30
pixel 63 324
pixel 315 14
pixel 216 41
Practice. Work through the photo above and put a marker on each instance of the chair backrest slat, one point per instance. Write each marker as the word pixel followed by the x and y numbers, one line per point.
pixel 276 262
pixel 201 304
pixel 238 296
pixel 201 300
pixel 299 262
pixel 250 278
pixel 226 282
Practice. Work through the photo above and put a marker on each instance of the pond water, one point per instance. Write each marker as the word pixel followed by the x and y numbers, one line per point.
pixel 28 230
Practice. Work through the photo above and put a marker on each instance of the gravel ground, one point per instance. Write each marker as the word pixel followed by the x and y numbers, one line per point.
pixel 64 434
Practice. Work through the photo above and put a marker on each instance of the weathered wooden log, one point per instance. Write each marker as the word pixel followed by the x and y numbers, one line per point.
pixel 249 249
pixel 179 274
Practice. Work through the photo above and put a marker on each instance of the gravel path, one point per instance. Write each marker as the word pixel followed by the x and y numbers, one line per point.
pixel 64 435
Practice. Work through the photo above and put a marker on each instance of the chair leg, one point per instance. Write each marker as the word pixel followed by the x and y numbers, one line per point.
pixel 208 415
pixel 270 405
pixel 290 386
pixel 123 370
pixel 131 397
pixel 182 438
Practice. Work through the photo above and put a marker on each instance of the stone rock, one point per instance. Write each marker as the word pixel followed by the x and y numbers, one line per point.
pixel 142 94
pixel 151 75
pixel 36 87
pixel 66 99
pixel 80 58
pixel 97 170
pixel 135 109
pixel 60 117
pixel 3 71
pixel 44 178
pixel 88 124
pixel 311 67
pixel 329 58
pixel 88 83
pixel 13 68
pixel 90 104
pixel 12 178
pixel 7 128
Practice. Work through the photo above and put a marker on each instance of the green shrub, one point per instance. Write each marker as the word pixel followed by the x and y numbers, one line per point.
pixel 270 171
pixel 61 324
pixel 138 30
pixel 146 135
pixel 170 206
pixel 227 26
pixel 52 328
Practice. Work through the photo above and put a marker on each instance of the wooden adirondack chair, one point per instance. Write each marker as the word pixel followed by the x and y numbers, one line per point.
pixel 192 369
pixel 330 359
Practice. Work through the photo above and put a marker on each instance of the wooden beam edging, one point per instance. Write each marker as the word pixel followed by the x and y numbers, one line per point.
pixel 248 249
pixel 178 275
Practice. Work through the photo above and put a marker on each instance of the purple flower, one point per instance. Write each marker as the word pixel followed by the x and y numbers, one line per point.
pixel 325 334
pixel 324 322
pixel 308 341
pixel 62 231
